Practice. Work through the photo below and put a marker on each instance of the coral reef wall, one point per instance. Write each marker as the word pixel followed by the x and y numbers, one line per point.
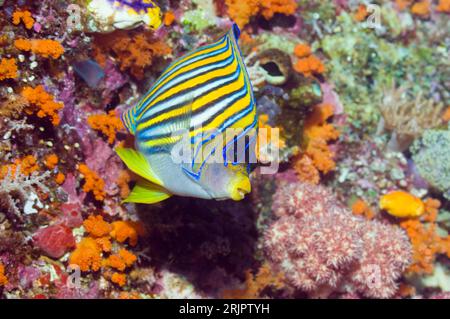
pixel 353 108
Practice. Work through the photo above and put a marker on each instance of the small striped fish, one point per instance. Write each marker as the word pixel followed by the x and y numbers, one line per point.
pixel 202 104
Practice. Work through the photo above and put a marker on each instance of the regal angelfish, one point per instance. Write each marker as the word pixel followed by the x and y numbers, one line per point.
pixel 205 94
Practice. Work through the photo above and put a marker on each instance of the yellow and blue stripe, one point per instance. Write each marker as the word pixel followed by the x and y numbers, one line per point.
pixel 206 92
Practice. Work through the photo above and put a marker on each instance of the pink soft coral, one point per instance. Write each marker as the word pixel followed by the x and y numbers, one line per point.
pixel 320 246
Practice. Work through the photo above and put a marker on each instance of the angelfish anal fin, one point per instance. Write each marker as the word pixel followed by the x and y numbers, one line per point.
pixel 137 163
pixel 146 193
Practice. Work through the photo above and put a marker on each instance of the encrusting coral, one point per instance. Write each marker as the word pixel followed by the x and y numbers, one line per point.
pixel 3 279
pixel 8 69
pixel 92 182
pixel 23 16
pixel 43 103
pixel 44 47
pixel 134 52
pixel 109 124
pixel 318 156
pixel 425 239
pixel 242 12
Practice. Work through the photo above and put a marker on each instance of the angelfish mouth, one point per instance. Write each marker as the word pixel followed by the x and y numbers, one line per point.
pixel 241 189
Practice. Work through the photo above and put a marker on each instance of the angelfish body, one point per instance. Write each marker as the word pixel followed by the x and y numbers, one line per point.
pixel 203 94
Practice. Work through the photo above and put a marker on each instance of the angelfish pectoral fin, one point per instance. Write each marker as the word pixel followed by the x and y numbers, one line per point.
pixel 147 193
pixel 137 163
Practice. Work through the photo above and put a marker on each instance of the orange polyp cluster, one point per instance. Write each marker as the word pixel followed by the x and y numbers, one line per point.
pixel 307 64
pixel 446 114
pixel 425 240
pixel 44 103
pixel 43 47
pixel 421 8
pixel 60 178
pixel 23 16
pixel 242 11
pixel 127 230
pixel 27 164
pixel 119 279
pixel 8 69
pixel 302 50
pixel 361 14
pixel 51 161
pixel 169 18
pixel 89 254
pixel 96 226
pixel 361 208
pixel 3 278
pixel 317 156
pixel 443 6
pixel 318 133
pixel 121 260
pixel 92 182
pixel 109 124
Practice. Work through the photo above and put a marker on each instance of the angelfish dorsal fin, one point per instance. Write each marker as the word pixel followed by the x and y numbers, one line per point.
pixel 128 120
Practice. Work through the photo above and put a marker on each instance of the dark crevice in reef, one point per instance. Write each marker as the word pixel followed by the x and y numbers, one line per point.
pixel 211 243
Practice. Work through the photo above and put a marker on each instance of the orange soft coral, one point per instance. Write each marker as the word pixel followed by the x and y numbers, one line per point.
pixel 60 178
pixel 270 7
pixel 403 4
pixel 119 279
pixel 169 18
pixel 92 182
pixel 123 230
pixel 361 13
pixel 8 69
pixel 27 166
pixel 309 66
pixel 51 161
pixel 121 260
pixel 443 6
pixel 426 242
pixel 306 171
pixel 87 255
pixel 360 208
pixel 43 103
pixel 96 226
pixel 302 50
pixel 122 181
pixel 109 124
pixel 254 285
pixel 242 11
pixel 134 52
pixel 318 133
pixel 23 16
pixel 421 8
pixel 3 279
pixel 43 47
pixel 104 243
pixel 446 115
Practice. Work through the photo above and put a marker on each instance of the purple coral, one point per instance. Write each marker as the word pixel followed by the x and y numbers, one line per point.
pixel 319 244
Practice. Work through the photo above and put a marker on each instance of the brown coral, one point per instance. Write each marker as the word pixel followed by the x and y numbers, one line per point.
pixel 134 52
pixel 407 117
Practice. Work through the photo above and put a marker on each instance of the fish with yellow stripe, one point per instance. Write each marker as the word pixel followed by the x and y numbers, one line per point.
pixel 203 105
